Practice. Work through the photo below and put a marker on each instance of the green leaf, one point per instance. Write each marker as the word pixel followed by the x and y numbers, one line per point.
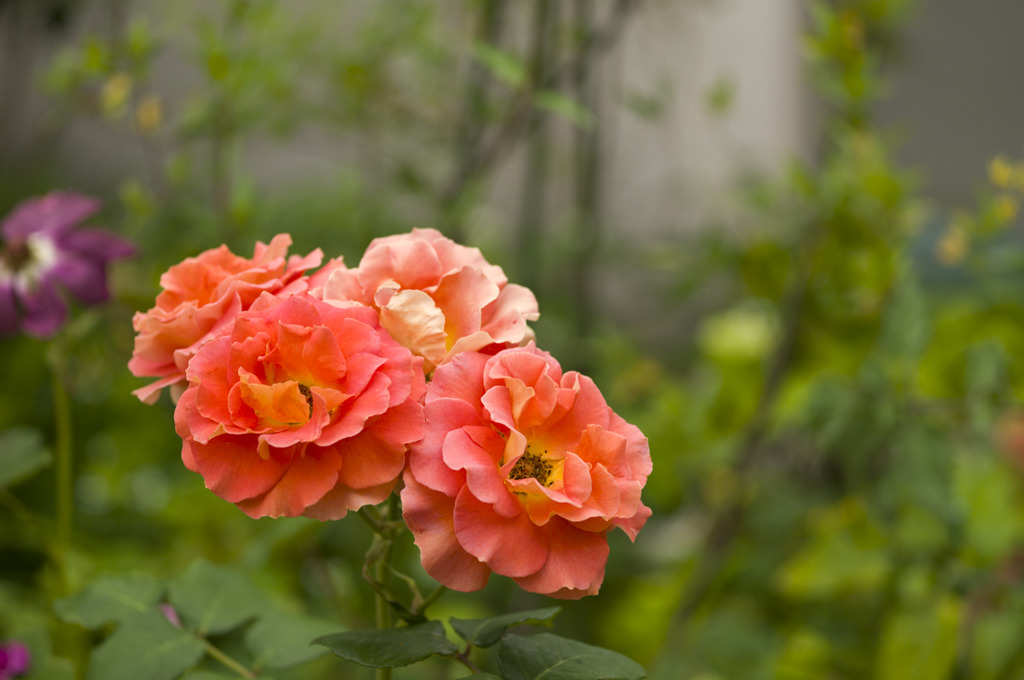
pixel 481 676
pixel 503 65
pixel 281 639
pixel 844 554
pixel 22 454
pixel 212 599
pixel 485 632
pixel 721 96
pixel 111 599
pixel 145 646
pixel 906 327
pixel 391 647
pixel 552 657
pixel 566 107
pixel 920 642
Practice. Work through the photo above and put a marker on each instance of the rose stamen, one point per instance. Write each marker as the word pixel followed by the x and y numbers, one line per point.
pixel 532 466
pixel 308 394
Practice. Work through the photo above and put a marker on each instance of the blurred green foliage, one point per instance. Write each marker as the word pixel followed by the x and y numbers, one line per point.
pixel 837 434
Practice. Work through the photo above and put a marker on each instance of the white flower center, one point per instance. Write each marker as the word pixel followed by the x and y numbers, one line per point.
pixel 25 262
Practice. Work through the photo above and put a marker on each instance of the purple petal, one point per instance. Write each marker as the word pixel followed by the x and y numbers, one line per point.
pixel 8 307
pixel 85 279
pixel 44 310
pixel 98 245
pixel 171 614
pixel 17 658
pixel 54 212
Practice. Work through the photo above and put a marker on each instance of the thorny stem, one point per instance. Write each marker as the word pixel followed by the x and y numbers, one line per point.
pixel 431 599
pixel 463 658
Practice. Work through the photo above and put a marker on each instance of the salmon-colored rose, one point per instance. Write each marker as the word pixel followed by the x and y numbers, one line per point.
pixel 522 471
pixel 436 297
pixel 201 297
pixel 302 408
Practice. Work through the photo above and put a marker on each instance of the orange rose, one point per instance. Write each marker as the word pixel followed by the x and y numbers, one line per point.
pixel 436 297
pixel 522 471
pixel 200 299
pixel 301 408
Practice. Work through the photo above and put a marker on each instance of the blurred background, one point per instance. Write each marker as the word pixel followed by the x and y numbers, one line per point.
pixel 782 237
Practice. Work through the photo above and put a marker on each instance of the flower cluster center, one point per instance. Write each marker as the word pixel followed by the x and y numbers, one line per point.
pixel 532 466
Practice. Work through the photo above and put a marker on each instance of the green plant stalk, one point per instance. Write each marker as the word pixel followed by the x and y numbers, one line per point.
pixel 69 638
pixel 382 613
pixel 64 470
pixel 231 663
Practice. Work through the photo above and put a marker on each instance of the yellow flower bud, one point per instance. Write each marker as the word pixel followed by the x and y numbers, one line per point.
pixel 149 115
pixel 1006 208
pixel 114 94
pixel 952 247
pixel 1000 172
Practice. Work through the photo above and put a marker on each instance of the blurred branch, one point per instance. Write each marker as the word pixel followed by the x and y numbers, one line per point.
pixel 535 170
pixel 493 148
pixel 728 523
pixel 471 122
pixel 587 233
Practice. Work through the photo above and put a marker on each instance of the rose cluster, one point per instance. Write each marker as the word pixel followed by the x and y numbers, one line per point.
pixel 305 388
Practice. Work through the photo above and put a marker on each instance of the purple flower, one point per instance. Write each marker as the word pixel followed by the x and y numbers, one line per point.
pixel 14 659
pixel 41 249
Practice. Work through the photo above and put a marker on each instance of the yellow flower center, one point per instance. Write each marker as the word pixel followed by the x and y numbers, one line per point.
pixel 532 465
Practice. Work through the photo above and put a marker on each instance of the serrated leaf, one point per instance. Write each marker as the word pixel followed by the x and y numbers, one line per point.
pixel 392 647
pixel 22 454
pixel 552 657
pixel 145 646
pixel 485 632
pixel 281 639
pixel 111 599
pixel 213 599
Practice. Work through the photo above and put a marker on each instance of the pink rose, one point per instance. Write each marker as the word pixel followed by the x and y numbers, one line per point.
pixel 436 297
pixel 302 408
pixel 521 471
pixel 201 297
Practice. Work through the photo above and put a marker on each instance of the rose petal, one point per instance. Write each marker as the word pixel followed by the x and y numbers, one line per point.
pixel 511 546
pixel 575 564
pixel 308 477
pixel 233 469
pixel 429 515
